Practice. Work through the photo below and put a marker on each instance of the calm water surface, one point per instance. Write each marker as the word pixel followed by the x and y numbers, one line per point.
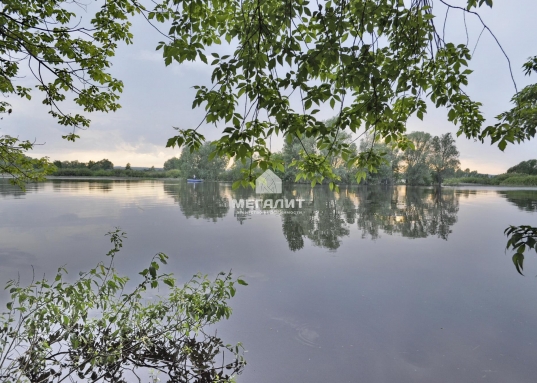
pixel 365 285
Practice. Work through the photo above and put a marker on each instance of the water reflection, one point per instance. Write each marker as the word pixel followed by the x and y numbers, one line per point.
pixel 206 201
pixel 9 190
pixel 324 217
pixel 83 185
pixel 525 200
pixel 410 212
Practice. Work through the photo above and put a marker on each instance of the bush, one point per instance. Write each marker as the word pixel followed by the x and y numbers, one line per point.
pixel 174 173
pixel 95 329
pixel 502 177
pixel 73 172
pixel 520 181
pixel 471 180
pixel 451 181
pixel 507 179
pixel 103 173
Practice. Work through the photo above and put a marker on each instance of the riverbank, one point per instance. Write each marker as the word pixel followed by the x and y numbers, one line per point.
pixel 507 179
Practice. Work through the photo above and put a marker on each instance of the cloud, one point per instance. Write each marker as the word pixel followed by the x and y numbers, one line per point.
pixel 152 56
pixel 187 68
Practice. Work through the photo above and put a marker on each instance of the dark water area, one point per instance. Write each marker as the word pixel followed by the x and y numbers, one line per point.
pixel 365 285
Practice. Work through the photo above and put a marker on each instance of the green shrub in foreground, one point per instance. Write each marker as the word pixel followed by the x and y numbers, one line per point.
pixel 96 329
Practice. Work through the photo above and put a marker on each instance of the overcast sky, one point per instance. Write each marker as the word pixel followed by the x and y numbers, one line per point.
pixel 156 98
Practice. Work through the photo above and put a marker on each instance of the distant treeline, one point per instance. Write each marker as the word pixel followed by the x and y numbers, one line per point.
pixel 105 168
pixel 523 174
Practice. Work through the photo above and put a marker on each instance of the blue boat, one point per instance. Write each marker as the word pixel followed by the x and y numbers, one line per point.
pixel 196 180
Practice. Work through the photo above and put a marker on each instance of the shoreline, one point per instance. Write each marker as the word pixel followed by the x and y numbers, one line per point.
pixel 124 178
pixel 108 178
pixel 121 178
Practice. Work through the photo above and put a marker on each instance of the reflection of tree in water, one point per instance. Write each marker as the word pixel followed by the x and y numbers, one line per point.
pixel 241 214
pixel 9 190
pixel 374 211
pixel 525 200
pixel 327 222
pixel 98 185
pixel 204 200
pixel 293 232
pixel 445 209
pixel 326 217
pixel 412 212
pixel 323 219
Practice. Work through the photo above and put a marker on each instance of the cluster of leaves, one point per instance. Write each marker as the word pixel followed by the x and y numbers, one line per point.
pixel 520 123
pixel 97 330
pixel 63 54
pixel 521 238
pixel 21 168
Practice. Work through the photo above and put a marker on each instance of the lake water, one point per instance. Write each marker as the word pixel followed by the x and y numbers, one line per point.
pixel 365 285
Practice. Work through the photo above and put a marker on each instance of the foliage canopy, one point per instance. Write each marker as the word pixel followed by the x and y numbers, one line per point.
pixel 375 62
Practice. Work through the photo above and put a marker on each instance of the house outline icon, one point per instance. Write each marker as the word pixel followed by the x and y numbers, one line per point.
pixel 268 183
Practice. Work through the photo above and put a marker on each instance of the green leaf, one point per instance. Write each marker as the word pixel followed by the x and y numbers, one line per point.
pixel 169 281
pixel 518 260
pixel 171 142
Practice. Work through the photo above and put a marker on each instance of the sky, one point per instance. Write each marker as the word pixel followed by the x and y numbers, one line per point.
pixel 157 98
